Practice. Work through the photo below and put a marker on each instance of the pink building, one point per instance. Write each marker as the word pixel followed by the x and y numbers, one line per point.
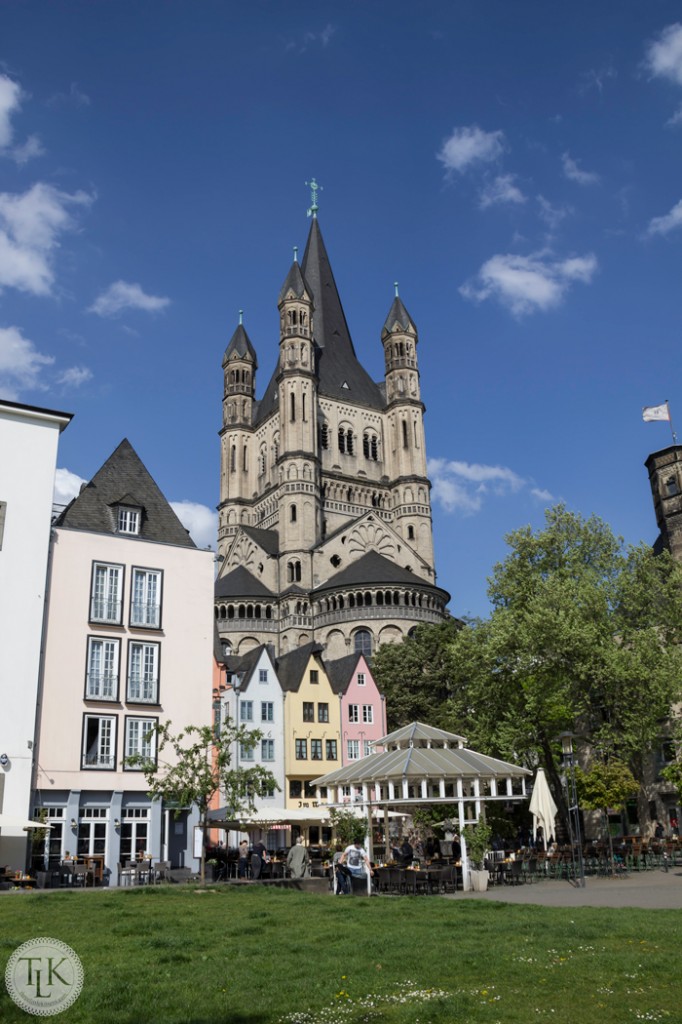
pixel 363 708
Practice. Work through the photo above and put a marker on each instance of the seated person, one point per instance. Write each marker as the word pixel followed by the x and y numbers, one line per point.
pixel 406 853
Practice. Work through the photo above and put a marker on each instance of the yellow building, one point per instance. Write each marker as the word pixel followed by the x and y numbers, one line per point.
pixel 312 723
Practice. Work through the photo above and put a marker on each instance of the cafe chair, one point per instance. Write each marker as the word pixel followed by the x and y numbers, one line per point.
pixel 125 875
pixel 80 876
pixel 160 871
pixel 515 873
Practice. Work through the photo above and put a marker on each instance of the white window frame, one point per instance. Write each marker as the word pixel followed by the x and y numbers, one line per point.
pixel 368 714
pixel 267 750
pixel 353 748
pixel 106 592
pixel 246 752
pixel 246 711
pixel 354 713
pixel 267 711
pixel 262 675
pixel 128 520
pixel 361 679
pixel 143 672
pixel 145 598
pixel 105 757
pixel 134 741
pixel 367 748
pixel 101 675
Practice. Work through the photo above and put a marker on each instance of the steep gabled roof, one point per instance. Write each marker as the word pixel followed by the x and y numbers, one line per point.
pixel 240 583
pixel 291 666
pixel 294 282
pixel 397 314
pixel 240 347
pixel 339 373
pixel 124 480
pixel 268 540
pixel 340 672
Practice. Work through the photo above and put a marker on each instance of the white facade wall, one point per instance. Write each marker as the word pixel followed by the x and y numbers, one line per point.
pixel 28 457
pixel 185 648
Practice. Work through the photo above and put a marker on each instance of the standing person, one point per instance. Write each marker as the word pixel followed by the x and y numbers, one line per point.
pixel 298 861
pixel 243 863
pixel 659 831
pixel 259 857
pixel 356 859
pixel 406 853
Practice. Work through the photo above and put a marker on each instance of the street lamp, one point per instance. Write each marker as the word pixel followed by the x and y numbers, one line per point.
pixel 566 739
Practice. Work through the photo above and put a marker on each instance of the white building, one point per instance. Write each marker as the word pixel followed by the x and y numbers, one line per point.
pixel 29 438
pixel 129 644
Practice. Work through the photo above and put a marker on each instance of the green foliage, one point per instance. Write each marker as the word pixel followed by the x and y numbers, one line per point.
pixel 200 766
pixel 477 839
pixel 416 676
pixel 348 827
pixel 672 773
pixel 606 784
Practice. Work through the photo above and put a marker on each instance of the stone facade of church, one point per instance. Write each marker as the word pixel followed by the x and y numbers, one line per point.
pixel 325 530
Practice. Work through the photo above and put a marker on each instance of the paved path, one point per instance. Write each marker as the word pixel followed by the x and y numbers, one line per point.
pixel 652 890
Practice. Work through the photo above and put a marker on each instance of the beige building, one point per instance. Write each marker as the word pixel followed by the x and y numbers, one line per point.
pixel 129 644
pixel 325 530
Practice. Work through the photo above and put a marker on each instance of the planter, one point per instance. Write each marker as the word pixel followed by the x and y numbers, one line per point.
pixel 479 880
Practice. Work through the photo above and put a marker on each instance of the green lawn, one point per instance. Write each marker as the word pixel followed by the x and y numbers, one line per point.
pixel 255 956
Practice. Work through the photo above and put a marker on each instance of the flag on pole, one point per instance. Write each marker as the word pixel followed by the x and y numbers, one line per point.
pixel 655 413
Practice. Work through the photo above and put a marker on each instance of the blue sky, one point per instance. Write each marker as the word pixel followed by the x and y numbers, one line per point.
pixel 515 166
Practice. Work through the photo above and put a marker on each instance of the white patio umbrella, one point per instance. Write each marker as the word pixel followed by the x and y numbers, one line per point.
pixel 542 805
pixel 17 822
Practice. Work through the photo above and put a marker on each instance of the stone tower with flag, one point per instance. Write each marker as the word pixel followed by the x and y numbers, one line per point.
pixel 325 530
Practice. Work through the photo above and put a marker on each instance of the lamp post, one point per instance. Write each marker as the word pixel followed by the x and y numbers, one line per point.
pixel 566 739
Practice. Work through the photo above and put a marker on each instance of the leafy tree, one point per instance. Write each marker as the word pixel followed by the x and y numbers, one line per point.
pixel 348 827
pixel 584 635
pixel 672 773
pixel 416 676
pixel 200 767
pixel 606 784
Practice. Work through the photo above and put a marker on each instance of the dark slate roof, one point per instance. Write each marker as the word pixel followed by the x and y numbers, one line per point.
pixel 372 569
pixel 268 540
pixel 397 314
pixel 245 665
pixel 123 479
pixel 340 671
pixel 295 282
pixel 240 348
pixel 291 666
pixel 240 583
pixel 339 373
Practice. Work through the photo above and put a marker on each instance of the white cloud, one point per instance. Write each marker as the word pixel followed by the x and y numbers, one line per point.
pixel 525 284
pixel 574 173
pixel 30 225
pixel 663 57
pixel 67 485
pixel 675 119
pixel 74 97
pixel 668 222
pixel 541 494
pixel 28 150
pixel 595 79
pixel 124 295
pixel 470 145
pixel 501 190
pixel 463 486
pixel 201 521
pixel 74 376
pixel 321 38
pixel 552 215
pixel 20 364
pixel 10 103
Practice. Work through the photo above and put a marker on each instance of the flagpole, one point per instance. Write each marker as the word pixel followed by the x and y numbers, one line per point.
pixel 670 420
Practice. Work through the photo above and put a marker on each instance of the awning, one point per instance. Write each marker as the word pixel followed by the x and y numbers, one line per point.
pixel 15 821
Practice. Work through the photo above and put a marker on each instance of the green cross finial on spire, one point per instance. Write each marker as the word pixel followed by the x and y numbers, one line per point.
pixel 395 285
pixel 295 254
pixel 241 317
pixel 314 189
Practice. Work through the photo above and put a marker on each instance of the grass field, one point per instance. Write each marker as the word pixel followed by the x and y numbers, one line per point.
pixel 256 956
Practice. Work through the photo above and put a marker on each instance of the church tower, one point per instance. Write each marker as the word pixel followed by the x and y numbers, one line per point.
pixel 325 517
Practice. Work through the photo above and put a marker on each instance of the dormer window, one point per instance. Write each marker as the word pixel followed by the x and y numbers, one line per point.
pixel 128 520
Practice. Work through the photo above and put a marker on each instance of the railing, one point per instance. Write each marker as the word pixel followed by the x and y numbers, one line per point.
pixel 142 691
pixel 101 685
pixel 143 613
pixel 98 761
pixel 387 611
pixel 103 610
